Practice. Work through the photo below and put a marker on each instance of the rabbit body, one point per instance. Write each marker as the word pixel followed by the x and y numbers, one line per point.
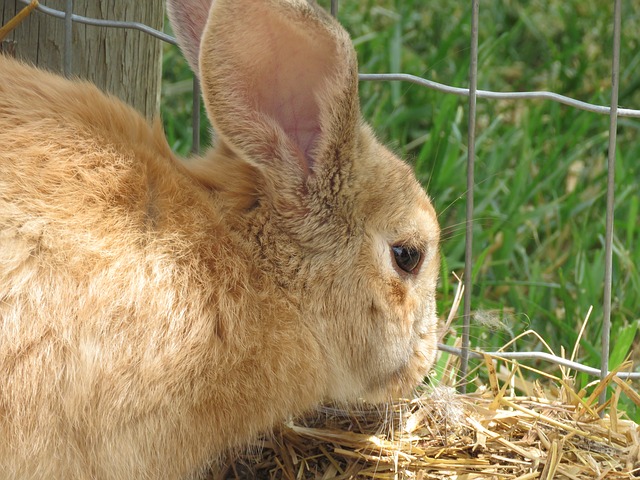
pixel 155 312
pixel 127 297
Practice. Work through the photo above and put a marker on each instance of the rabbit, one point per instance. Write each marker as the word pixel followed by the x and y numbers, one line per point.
pixel 157 312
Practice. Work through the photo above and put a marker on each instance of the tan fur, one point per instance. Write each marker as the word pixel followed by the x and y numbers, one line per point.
pixel 155 312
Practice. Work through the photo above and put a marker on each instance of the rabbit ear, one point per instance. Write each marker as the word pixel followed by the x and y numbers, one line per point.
pixel 279 80
pixel 188 18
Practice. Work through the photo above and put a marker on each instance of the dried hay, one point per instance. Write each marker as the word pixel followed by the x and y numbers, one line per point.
pixel 552 434
pixel 512 429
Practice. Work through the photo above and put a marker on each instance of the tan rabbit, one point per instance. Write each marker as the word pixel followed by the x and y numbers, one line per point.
pixel 155 312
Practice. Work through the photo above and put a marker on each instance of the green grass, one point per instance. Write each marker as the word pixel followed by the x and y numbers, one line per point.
pixel 541 167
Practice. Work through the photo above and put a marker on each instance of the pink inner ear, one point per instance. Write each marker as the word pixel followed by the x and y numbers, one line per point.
pixel 295 114
pixel 290 72
pixel 288 96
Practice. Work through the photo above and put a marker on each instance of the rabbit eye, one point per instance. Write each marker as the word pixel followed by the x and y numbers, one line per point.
pixel 407 259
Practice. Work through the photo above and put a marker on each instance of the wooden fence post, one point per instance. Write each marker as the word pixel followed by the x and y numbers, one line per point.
pixel 127 63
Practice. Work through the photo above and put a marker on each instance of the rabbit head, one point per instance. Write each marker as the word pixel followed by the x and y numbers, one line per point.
pixel 340 222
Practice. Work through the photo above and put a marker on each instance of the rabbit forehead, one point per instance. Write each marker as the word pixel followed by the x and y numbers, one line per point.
pixel 381 198
pixel 393 202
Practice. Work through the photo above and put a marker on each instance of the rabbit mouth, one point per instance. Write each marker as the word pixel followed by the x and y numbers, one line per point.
pixel 403 379
pixel 396 384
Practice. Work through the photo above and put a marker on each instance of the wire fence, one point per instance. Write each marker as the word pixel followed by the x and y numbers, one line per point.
pixel 473 94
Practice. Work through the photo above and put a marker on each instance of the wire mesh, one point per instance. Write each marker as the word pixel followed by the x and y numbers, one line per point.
pixel 471 159
pixel 68 37
pixel 612 110
pixel 608 243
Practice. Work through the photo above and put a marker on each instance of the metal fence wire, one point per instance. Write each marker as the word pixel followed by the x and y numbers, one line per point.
pixel 473 94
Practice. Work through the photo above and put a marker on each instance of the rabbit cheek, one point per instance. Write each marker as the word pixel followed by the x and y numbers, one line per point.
pixel 401 301
pixel 410 346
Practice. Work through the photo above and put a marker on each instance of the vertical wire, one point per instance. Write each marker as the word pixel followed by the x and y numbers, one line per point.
pixel 68 36
pixel 611 159
pixel 195 117
pixel 471 154
pixel 334 8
